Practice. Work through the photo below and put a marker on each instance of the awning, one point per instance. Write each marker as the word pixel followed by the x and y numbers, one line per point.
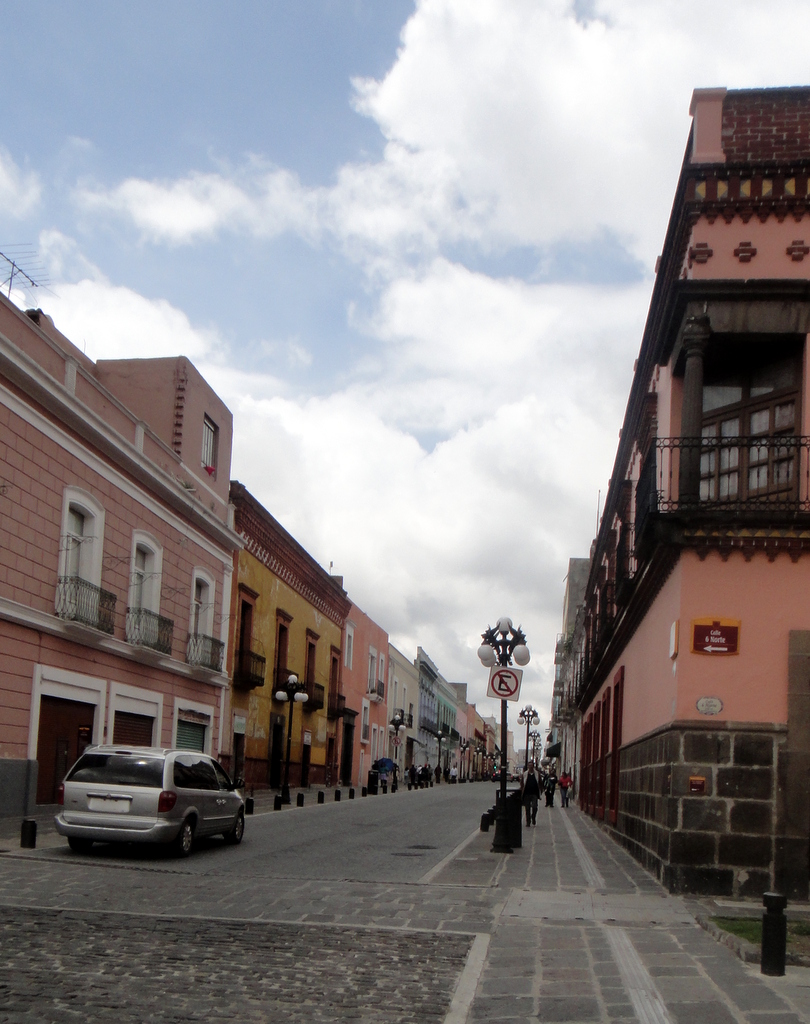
pixel 554 750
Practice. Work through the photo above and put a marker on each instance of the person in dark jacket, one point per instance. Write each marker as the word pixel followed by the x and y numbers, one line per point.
pixel 551 785
pixel 530 791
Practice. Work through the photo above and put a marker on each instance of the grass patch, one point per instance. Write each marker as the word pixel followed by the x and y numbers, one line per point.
pixel 748 928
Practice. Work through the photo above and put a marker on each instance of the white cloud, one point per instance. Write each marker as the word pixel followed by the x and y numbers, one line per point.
pixel 506 124
pixel 20 191
pixel 112 322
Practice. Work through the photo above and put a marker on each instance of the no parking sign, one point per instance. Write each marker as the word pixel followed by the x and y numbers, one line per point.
pixel 504 683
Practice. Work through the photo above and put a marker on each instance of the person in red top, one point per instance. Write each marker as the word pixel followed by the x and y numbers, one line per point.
pixel 564 782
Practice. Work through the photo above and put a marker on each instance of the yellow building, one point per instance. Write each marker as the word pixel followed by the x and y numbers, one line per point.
pixel 287 617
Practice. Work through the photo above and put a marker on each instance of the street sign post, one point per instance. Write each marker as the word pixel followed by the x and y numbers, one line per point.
pixel 504 683
pixel 715 636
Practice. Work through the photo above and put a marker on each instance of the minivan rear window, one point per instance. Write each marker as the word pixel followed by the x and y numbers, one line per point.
pixel 118 770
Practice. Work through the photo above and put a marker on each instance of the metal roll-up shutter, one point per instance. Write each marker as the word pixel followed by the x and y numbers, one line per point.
pixel 133 730
pixel 190 735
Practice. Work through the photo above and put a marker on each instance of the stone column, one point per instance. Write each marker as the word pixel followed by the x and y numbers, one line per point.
pixel 695 339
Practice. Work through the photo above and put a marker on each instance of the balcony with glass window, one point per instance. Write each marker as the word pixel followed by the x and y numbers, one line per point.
pixel 745 479
pixel 248 669
pixel 376 691
pixel 205 652
pixel 83 602
pixel 150 630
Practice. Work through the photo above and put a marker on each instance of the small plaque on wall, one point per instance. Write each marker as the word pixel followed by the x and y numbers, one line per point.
pixel 697 783
pixel 709 705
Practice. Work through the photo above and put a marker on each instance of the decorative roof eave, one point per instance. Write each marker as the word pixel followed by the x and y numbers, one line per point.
pixel 267 540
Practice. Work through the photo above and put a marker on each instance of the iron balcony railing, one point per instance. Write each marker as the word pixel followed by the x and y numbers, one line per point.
pixel 336 704
pixel 248 669
pixel 80 601
pixel 315 697
pixel 148 629
pixel 377 690
pixel 205 651
pixel 427 723
pixel 739 475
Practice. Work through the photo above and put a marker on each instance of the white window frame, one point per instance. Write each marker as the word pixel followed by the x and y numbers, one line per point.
pixel 136 701
pixel 151 600
pixel 58 682
pixel 92 545
pixel 348 653
pixel 374 754
pixel 201 709
pixel 381 669
pixel 209 424
pixel 372 670
pixel 207 615
pixel 364 719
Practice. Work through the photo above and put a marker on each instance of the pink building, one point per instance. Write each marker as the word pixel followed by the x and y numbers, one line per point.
pixel 115 555
pixel 691 674
pixel 365 718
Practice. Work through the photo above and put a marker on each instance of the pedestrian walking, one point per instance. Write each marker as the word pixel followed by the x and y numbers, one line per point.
pixel 412 774
pixel 551 785
pixel 564 783
pixel 530 791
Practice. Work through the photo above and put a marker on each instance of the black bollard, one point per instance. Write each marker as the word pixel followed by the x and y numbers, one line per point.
pixel 351 794
pixel 277 803
pixel 337 796
pixel 300 800
pixel 28 834
pixel 385 787
pixel 321 797
pixel 485 822
pixel 774 935
pixel 249 805
pixel 364 791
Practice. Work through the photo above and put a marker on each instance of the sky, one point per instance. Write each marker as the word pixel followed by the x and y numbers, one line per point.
pixel 410 243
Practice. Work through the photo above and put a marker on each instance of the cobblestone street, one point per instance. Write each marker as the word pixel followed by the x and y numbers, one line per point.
pixel 72 966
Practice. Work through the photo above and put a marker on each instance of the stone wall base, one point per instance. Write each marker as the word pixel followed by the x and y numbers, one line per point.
pixel 18 787
pixel 701 807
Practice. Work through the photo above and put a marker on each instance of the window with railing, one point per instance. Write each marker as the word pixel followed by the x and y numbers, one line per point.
pixel 147 629
pixel 80 601
pixel 205 651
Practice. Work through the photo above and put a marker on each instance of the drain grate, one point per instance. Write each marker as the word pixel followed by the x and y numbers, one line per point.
pixel 405 853
pixel 421 846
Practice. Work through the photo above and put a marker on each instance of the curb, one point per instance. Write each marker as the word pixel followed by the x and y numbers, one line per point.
pixel 746 951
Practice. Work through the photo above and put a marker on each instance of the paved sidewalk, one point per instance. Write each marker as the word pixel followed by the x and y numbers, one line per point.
pixel 585 934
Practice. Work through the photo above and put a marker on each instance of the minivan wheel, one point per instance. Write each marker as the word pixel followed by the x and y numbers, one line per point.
pixel 238 830
pixel 185 839
pixel 80 845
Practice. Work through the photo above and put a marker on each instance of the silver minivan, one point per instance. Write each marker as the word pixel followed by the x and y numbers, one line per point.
pixel 117 794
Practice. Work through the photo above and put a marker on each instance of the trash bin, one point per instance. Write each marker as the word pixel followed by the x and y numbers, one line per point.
pixel 514 816
pixel 373 782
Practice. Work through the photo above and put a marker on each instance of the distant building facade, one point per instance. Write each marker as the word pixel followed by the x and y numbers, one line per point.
pixel 287 618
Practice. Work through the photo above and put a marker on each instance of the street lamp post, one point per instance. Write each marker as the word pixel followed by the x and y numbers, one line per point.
pixel 501 645
pixel 463 747
pixel 529 717
pixel 294 692
pixel 535 738
pixel 397 723
pixel 439 737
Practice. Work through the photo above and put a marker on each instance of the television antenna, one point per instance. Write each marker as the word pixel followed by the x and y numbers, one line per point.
pixel 21 264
